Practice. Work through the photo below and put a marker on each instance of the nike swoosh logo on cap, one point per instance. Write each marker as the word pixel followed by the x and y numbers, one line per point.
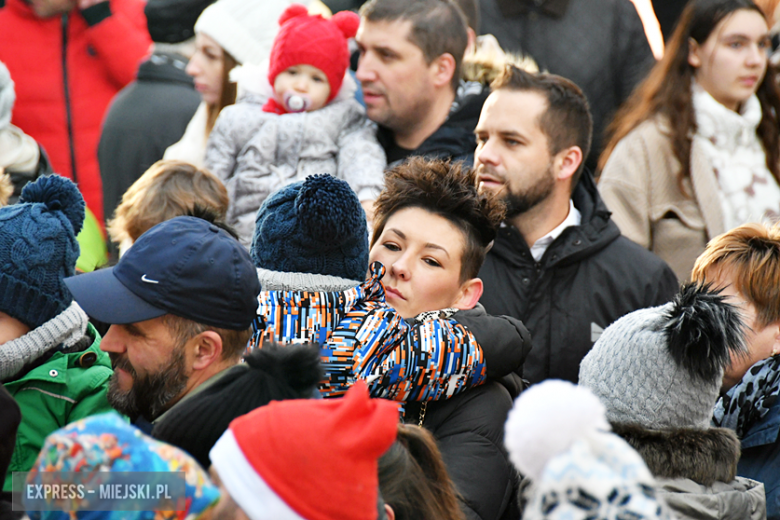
pixel 148 280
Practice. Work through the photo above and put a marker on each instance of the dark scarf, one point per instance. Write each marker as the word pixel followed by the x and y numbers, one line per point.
pixel 749 401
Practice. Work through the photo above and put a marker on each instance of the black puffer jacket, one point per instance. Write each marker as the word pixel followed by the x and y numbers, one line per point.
pixel 598 44
pixel 589 277
pixel 145 118
pixel 452 140
pixel 469 429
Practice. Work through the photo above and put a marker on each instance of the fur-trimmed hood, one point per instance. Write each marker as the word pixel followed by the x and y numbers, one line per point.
pixel 696 472
pixel 488 60
pixel 704 456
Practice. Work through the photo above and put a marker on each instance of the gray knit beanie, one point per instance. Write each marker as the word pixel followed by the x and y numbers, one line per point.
pixel 662 368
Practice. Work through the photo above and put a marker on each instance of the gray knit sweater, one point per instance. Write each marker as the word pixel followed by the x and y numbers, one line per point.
pixel 66 328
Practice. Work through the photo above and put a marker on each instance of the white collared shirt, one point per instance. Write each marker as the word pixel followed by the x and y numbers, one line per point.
pixel 540 246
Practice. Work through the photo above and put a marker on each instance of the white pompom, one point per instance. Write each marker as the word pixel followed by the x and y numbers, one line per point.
pixel 546 419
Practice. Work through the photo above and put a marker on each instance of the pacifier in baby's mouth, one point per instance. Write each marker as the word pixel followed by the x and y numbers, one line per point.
pixel 295 102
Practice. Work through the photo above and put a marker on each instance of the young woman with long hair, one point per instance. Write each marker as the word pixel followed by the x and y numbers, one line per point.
pixel 696 150
pixel 228 33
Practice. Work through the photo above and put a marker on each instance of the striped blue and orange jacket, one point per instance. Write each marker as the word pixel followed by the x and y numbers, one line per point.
pixel 361 337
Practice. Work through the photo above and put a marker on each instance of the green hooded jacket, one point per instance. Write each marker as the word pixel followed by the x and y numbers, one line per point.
pixel 65 388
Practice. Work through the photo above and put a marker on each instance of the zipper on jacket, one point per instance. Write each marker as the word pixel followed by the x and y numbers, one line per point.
pixel 68 114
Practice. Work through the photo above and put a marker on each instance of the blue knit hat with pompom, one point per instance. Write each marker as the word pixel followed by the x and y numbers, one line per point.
pixel 315 226
pixel 38 249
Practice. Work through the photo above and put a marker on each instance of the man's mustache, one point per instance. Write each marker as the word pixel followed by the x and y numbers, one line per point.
pixel 485 170
pixel 120 361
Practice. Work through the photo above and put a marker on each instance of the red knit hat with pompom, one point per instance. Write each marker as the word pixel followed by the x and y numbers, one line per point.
pixel 308 459
pixel 315 41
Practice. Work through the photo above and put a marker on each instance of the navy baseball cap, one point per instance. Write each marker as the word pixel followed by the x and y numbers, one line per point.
pixel 185 266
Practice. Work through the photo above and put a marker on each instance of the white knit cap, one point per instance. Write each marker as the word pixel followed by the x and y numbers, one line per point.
pixel 557 436
pixel 7 96
pixel 244 28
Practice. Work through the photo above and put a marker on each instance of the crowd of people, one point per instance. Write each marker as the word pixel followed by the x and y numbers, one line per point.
pixel 392 260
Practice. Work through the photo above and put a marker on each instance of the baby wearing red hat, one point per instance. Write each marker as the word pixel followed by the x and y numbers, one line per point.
pixel 303 120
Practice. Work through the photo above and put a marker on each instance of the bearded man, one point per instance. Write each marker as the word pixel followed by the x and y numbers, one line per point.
pixel 558 263
pixel 180 303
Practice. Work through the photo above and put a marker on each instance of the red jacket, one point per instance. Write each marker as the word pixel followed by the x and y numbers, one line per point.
pixel 95 61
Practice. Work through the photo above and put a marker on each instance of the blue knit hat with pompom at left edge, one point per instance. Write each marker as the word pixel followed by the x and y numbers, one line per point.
pixel 38 250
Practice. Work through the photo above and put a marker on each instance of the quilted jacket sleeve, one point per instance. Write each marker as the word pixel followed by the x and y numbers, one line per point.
pixel 361 160
pixel 223 146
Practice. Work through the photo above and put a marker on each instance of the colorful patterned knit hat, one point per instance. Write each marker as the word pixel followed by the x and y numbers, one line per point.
pixel 38 250
pixel 312 40
pixel 104 444
pixel 312 459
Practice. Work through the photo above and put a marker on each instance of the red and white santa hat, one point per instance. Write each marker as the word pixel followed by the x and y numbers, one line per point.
pixel 305 39
pixel 308 459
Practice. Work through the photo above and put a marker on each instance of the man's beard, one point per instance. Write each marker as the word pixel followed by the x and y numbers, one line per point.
pixel 519 203
pixel 150 394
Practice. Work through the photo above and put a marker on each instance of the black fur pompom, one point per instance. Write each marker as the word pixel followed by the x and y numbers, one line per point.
pixel 702 330
pixel 299 365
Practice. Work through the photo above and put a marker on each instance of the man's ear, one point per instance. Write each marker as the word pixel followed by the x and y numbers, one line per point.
pixel 443 69
pixel 470 293
pixel 694 53
pixel 567 162
pixel 207 349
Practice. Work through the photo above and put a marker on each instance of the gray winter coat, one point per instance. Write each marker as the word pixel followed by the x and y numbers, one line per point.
pixel 255 152
pixel 696 472
pixel 741 498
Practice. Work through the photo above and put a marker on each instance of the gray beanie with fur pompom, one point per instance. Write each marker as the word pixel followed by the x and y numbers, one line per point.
pixel 662 368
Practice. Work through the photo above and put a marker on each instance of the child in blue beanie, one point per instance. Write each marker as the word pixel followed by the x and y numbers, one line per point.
pixel 311 250
pixel 50 360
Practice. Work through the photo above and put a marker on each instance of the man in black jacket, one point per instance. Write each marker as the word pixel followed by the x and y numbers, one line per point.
pixel 579 274
pixel 151 113
pixel 410 68
pixel 598 44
